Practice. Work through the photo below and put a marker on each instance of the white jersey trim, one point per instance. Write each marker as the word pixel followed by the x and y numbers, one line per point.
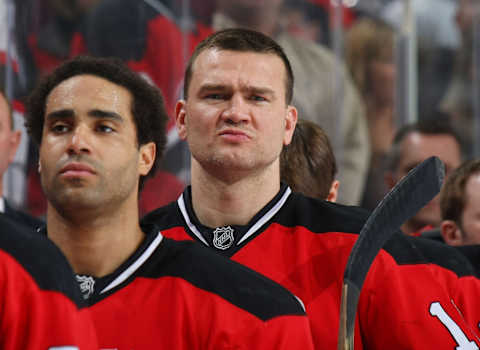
pixel 136 265
pixel 191 226
pixel 255 227
pixel 268 215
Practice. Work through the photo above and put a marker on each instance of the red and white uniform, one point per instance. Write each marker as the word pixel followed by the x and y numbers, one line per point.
pixel 408 301
pixel 179 295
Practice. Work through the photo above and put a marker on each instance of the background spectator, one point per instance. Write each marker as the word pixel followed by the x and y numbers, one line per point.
pixel 460 205
pixel 369 52
pixel 9 142
pixel 308 164
pixel 413 144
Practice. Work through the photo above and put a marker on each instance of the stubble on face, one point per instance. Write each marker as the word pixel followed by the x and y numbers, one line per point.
pixel 112 157
pixel 239 105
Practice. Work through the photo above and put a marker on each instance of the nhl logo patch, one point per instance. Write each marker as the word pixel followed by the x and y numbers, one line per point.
pixel 86 284
pixel 223 237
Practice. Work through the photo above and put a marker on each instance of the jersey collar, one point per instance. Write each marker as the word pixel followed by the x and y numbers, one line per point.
pixel 241 234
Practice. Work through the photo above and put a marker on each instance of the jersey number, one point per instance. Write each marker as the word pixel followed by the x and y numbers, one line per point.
pixel 437 311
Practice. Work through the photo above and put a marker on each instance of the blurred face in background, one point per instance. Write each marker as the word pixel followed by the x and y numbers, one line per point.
pixel 464 16
pixel 382 74
pixel 417 147
pixel 470 220
pixel 9 139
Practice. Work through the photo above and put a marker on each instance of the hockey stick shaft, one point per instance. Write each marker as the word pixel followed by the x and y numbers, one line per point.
pixel 410 194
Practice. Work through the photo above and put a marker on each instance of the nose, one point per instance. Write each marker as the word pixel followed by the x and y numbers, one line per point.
pixel 237 110
pixel 79 142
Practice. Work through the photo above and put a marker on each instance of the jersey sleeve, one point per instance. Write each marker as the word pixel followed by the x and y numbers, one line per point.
pixel 411 293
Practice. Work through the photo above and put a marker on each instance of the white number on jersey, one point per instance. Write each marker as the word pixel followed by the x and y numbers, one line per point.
pixel 437 310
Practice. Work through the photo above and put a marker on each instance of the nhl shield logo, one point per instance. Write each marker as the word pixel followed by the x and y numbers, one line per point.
pixel 223 237
pixel 86 284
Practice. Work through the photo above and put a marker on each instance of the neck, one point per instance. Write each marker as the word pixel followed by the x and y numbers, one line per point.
pixel 220 201
pixel 95 243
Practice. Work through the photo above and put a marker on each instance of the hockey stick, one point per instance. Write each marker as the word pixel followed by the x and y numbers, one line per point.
pixel 410 194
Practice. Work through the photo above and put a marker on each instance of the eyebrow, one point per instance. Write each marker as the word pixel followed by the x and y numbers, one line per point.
pixel 213 87
pixel 95 113
pixel 222 88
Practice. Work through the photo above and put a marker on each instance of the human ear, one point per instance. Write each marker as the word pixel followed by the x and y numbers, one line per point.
pixel 180 119
pixel 451 233
pixel 147 158
pixel 290 123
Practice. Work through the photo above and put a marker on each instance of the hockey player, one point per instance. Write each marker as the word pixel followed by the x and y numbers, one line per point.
pixel 236 117
pixel 101 131
pixel 41 306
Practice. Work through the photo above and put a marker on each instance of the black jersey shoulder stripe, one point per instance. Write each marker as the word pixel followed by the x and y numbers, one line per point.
pixel 165 215
pixel 321 216
pixel 42 259
pixel 225 278
pixel 129 271
pixel 417 250
pixel 472 253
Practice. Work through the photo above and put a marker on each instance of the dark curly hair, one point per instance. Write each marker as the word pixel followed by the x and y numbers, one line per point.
pixel 148 109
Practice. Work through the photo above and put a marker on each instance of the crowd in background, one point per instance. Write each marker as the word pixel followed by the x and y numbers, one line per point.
pixel 347 63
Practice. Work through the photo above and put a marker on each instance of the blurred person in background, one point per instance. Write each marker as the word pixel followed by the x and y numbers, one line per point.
pixel 308 164
pixel 9 141
pixel 460 205
pixel 458 100
pixel 324 92
pixel 306 20
pixel 414 143
pixel 437 39
pixel 369 52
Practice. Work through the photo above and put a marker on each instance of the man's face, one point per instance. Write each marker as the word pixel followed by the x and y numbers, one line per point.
pixel 9 139
pixel 417 147
pixel 236 117
pixel 470 224
pixel 89 158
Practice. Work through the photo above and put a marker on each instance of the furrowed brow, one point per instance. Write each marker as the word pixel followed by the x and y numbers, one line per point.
pixel 260 91
pixel 212 87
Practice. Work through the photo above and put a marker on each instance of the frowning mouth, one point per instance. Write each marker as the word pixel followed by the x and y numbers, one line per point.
pixel 76 169
pixel 234 135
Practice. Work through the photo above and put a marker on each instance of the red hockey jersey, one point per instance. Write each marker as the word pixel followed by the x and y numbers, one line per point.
pixel 179 295
pixel 407 302
pixel 40 304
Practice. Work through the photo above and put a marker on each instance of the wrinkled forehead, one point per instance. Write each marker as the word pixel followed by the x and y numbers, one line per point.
pixel 242 67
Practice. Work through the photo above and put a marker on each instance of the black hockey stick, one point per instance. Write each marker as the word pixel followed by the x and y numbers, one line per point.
pixel 410 194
